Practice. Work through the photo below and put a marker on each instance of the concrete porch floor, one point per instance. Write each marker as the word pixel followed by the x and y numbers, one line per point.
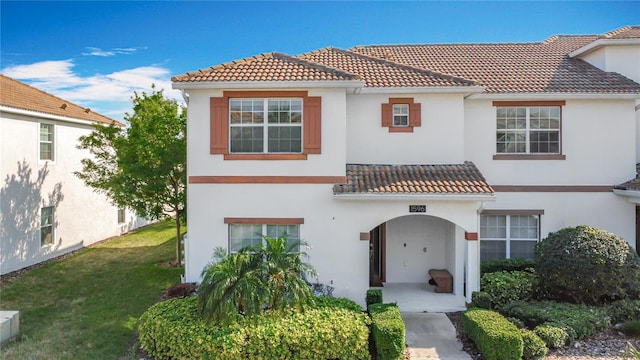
pixel 421 297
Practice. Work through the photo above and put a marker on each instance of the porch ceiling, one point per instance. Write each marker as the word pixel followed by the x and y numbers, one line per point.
pixel 449 179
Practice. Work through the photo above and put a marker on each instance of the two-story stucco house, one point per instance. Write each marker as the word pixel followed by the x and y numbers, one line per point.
pixel 45 210
pixel 392 160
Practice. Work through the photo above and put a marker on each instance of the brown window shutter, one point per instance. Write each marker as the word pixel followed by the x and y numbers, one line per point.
pixel 414 115
pixel 312 125
pixel 219 127
pixel 387 115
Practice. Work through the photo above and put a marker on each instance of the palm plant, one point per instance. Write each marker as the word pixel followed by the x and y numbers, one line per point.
pixel 254 279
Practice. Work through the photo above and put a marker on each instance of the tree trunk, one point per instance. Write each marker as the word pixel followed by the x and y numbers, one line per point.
pixel 178 238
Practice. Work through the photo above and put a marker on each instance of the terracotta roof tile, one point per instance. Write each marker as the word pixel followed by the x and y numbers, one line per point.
pixel 633 184
pixel 16 94
pixel 625 32
pixel 266 67
pixel 414 179
pixel 376 72
pixel 542 67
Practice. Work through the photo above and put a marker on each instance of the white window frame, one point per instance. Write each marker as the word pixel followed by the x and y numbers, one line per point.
pixel 49 225
pixel 508 237
pixel 266 125
pixel 52 142
pixel 264 232
pixel 400 111
pixel 528 130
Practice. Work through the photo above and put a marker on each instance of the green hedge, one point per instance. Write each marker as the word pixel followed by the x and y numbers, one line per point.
pixel 624 310
pixel 174 330
pixel 533 348
pixel 493 334
pixel 579 321
pixel 504 286
pixel 555 337
pixel 495 265
pixel 336 303
pixel 374 296
pixel 481 299
pixel 388 330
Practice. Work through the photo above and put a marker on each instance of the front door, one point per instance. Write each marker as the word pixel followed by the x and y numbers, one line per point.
pixel 377 255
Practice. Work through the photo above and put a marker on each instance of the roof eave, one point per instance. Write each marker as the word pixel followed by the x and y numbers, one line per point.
pixel 44 115
pixel 633 196
pixel 429 89
pixel 189 85
pixel 555 96
pixel 415 196
pixel 592 46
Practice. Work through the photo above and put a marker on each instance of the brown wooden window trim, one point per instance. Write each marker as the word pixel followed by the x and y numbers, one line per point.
pixel 264 221
pixel 311 125
pixel 512 212
pixel 542 156
pixel 415 115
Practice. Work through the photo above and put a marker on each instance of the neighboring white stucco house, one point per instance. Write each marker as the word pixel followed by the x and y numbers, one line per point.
pixel 392 160
pixel 45 210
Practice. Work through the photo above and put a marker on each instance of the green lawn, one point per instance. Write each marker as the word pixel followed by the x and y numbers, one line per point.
pixel 86 306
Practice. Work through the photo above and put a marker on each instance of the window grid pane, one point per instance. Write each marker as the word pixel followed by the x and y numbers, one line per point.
pixel 534 130
pixel 400 115
pixel 520 234
pixel 46 142
pixel 46 226
pixel 243 235
pixel 291 232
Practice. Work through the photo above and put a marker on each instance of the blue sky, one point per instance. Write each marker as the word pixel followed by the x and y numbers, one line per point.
pixel 97 54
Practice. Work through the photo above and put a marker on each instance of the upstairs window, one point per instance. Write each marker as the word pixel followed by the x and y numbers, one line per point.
pixel 265 125
pixel 46 142
pixel 528 130
pixel 400 115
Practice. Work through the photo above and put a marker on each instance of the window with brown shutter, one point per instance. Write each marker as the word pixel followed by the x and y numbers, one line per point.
pixel 401 115
pixel 265 125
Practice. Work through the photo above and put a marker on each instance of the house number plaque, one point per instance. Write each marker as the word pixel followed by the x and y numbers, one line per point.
pixel 417 208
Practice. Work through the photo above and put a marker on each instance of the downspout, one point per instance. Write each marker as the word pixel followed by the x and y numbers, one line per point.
pixel 185 96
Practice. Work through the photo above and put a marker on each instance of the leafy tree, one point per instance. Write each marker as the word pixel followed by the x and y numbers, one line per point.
pixel 142 167
pixel 269 276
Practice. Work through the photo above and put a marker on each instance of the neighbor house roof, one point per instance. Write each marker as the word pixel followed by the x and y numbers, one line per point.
pixel 625 32
pixel 459 179
pixel 633 184
pixel 377 72
pixel 540 67
pixel 266 67
pixel 18 95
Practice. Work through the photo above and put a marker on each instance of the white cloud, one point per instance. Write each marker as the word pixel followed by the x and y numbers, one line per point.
pixel 94 51
pixel 107 94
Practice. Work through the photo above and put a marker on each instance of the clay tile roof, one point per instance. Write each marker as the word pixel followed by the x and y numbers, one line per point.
pixel 266 67
pixel 633 184
pixel 382 72
pixel 414 179
pixel 625 32
pixel 541 67
pixel 16 94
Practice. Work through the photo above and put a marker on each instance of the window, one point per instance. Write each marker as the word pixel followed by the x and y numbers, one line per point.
pixel 266 125
pixel 46 142
pixel 243 235
pixel 528 130
pixel 283 125
pixel 400 115
pixel 508 236
pixel 46 226
pixel 121 215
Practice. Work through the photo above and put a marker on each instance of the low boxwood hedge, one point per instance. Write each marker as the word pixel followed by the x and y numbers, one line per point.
pixel 495 336
pixel 533 348
pixel 504 286
pixel 555 337
pixel 388 330
pixel 516 264
pixel 174 330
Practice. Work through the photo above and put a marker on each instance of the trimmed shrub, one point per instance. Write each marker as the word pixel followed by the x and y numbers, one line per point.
pixel 516 264
pixel 504 287
pixel 493 334
pixel 533 348
pixel 587 265
pixel 374 296
pixel 388 330
pixel 630 328
pixel 555 337
pixel 624 310
pixel 481 299
pixel 579 321
pixel 321 302
pixel 174 330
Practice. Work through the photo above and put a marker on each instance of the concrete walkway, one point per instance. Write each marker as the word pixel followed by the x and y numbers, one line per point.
pixel 432 336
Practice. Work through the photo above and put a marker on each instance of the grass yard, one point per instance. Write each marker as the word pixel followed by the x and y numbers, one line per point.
pixel 86 306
